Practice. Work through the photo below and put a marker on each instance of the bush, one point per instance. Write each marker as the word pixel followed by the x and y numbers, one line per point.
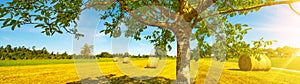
pixel 104 55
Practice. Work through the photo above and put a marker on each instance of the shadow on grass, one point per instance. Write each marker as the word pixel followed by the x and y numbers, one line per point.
pixel 249 70
pixel 110 79
pixel 235 69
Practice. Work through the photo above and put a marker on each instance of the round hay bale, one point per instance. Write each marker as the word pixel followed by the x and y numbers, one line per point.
pixel 259 62
pixel 152 62
pixel 126 60
pixel 116 59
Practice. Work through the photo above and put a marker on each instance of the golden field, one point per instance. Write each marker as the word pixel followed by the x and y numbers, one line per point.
pixel 65 73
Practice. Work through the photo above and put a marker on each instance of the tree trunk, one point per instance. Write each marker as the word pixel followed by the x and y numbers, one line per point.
pixel 183 58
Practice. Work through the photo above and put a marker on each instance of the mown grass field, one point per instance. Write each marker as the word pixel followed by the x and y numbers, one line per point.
pixel 33 62
pixel 59 73
pixel 40 62
pixel 288 63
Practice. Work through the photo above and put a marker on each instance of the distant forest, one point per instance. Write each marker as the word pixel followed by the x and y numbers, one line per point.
pixel 23 53
pixel 28 53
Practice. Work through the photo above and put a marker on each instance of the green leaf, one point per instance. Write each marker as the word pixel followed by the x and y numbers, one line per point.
pixel 39 25
pixel 2 19
pixel 5 22
pixel 13 27
pixel 169 47
pixel 47 33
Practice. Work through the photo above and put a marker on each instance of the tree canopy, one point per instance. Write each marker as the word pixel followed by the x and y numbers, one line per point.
pixel 87 50
pixel 104 55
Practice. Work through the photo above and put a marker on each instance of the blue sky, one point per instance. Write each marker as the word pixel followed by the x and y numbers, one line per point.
pixel 273 23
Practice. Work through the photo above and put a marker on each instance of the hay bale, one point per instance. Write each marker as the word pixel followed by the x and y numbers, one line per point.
pixel 152 62
pixel 116 59
pixel 259 62
pixel 126 60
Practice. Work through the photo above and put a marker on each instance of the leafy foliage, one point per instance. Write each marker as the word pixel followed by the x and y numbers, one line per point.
pixel 104 55
pixel 260 43
pixel 209 22
pixel 51 16
pixel 54 15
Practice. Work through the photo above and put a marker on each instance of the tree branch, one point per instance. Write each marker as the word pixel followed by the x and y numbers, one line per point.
pixel 291 7
pixel 164 12
pixel 141 20
pixel 224 40
pixel 87 6
pixel 250 8
pixel 203 5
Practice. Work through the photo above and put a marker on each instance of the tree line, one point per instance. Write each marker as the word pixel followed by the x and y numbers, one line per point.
pixel 22 53
pixel 196 54
pixel 285 51
pixel 126 54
